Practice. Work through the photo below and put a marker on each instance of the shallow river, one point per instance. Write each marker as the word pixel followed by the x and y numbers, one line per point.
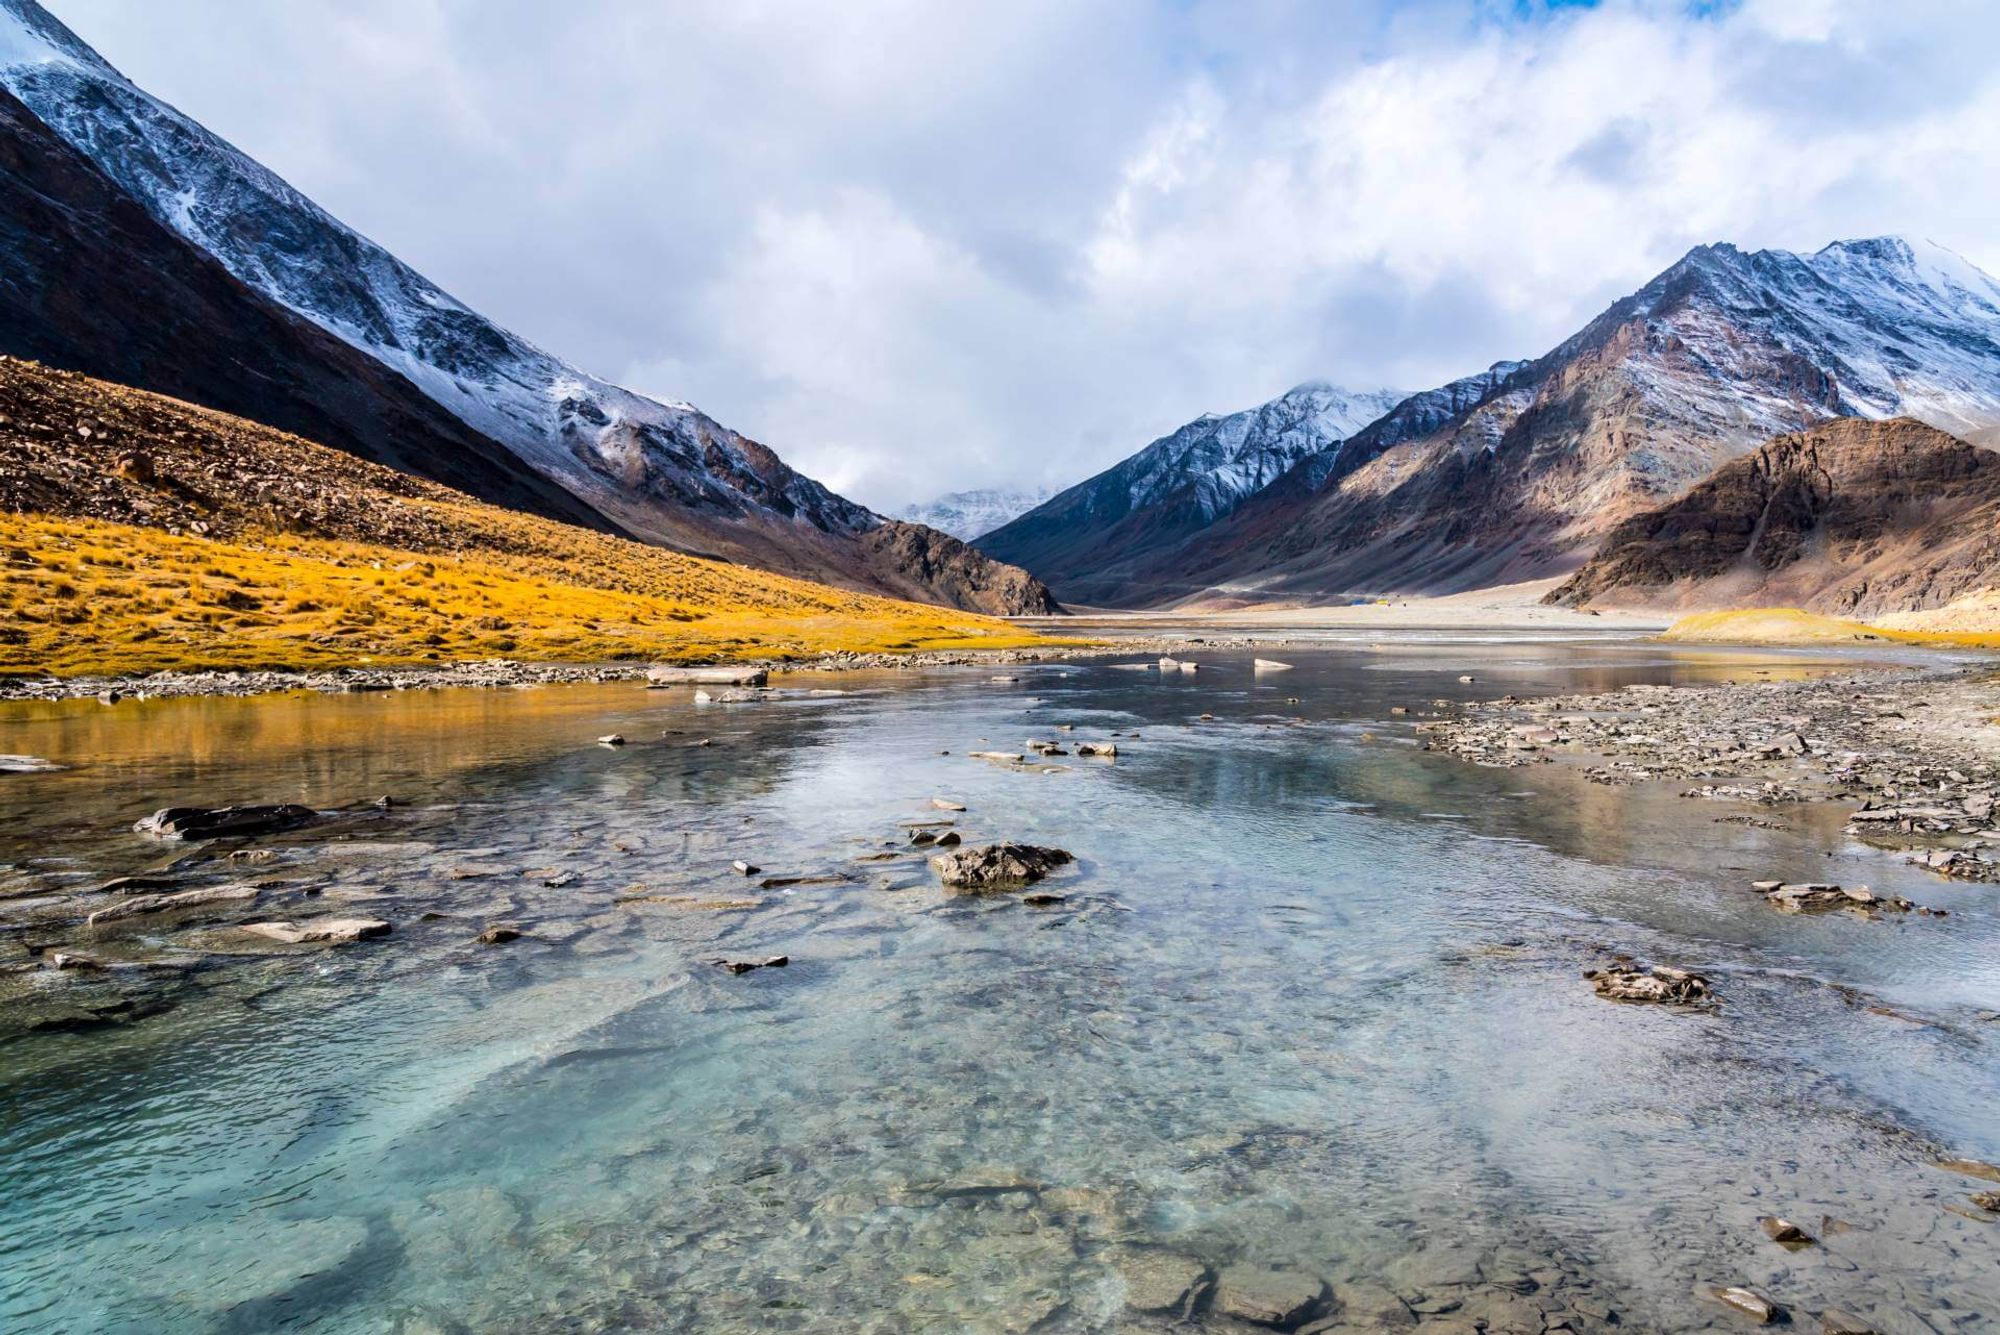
pixel 1313 1002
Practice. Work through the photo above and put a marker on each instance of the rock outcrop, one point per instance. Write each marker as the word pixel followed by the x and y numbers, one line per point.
pixel 1851 518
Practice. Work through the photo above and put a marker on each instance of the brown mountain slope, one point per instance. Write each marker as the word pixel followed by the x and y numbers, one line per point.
pixel 1853 517
pixel 138 532
pixel 90 281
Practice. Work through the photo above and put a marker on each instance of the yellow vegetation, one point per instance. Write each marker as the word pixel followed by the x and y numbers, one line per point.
pixel 1789 625
pixel 85 596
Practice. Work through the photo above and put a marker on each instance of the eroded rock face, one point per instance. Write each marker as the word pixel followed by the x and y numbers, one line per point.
pixel 1851 517
pixel 991 867
pixel 931 566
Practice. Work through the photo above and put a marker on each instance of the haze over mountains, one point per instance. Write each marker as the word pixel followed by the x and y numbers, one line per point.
pixel 235 282
pixel 1517 473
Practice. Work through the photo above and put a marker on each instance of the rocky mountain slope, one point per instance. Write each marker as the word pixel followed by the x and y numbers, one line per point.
pixel 971 515
pixel 1853 517
pixel 138 532
pixel 1090 540
pixel 1518 473
pixel 661 471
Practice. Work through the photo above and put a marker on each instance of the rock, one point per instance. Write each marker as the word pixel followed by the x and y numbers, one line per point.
pixel 1625 982
pixel 1281 1299
pixel 1160 1281
pixel 1784 1231
pixel 1985 1200
pixel 710 676
pixel 1468 679
pixel 731 696
pixel 59 959
pixel 135 906
pixel 949 839
pixel 997 866
pixel 746 966
pixel 224 822
pixel 1748 1302
pixel 946 804
pixel 1833 1321
pixel 1107 749
pixel 1371 1307
pixel 320 931
pixel 1971 1168
pixel 1044 898
pixel 742 868
pixel 611 739
pixel 920 838
pixel 499 935
pixel 1270 665
pixel 26 765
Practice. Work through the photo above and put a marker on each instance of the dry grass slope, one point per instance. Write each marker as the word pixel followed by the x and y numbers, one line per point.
pixel 1789 625
pixel 139 533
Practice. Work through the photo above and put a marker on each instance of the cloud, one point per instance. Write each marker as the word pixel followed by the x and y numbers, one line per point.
pixel 919 247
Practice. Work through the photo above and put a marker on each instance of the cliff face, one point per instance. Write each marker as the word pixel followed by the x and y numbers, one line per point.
pixel 959 572
pixel 1854 517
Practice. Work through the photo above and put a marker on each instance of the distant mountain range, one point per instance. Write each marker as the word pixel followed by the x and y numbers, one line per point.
pixel 972 514
pixel 1517 473
pixel 147 250
pixel 1097 539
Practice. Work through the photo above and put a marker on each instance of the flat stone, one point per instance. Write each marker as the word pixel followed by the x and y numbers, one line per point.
pixel 137 906
pixel 1280 1299
pixel 1747 1302
pixel 1160 1281
pixel 709 676
pixel 1365 1306
pixel 946 804
pixel 320 931
pixel 1971 1168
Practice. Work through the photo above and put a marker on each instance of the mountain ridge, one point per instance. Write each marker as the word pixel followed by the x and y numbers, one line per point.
pixel 660 470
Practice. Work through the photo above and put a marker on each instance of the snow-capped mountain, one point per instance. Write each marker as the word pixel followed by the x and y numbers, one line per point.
pixel 1720 352
pixel 1182 482
pixel 661 470
pixel 969 514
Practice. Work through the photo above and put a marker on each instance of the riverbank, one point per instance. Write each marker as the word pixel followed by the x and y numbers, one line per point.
pixel 1914 750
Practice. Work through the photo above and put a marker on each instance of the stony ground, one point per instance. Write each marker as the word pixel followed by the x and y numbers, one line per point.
pixel 1916 750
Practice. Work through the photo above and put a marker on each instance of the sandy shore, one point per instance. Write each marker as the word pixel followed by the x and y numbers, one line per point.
pixel 1507 607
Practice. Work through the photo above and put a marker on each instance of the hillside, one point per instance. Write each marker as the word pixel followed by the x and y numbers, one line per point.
pixel 1519 474
pixel 1852 518
pixel 118 213
pixel 142 533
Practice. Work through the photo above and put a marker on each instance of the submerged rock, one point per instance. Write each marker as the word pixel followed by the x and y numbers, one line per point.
pixel 1281 1299
pixel 1833 1321
pixel 320 931
pixel 1748 1302
pixel 1160 1281
pixel 746 966
pixel 135 906
pixel 220 822
pixel 1785 1232
pixel 1661 983
pixel 998 866
pixel 499 935
pixel 1971 1168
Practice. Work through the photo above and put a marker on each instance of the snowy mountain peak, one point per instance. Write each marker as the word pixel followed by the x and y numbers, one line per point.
pixel 971 514
pixel 30 35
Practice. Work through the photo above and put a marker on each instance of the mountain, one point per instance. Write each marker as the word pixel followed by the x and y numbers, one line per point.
pixel 660 471
pixel 1519 481
pixel 1855 517
pixel 1089 542
pixel 972 514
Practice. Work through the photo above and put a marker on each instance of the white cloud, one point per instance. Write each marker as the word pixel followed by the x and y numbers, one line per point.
pixel 918 247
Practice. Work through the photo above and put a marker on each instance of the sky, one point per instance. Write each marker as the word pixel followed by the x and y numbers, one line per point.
pixel 918 247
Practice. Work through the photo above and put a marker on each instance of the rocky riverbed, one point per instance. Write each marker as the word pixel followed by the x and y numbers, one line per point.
pixel 1914 752
pixel 495 673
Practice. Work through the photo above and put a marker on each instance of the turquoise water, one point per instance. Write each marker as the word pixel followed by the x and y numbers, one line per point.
pixel 1313 1001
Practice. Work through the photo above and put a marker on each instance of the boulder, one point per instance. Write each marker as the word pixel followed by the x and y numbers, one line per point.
pixel 1626 982
pixel 997 866
pixel 499 935
pixel 1784 1231
pixel 223 822
pixel 320 931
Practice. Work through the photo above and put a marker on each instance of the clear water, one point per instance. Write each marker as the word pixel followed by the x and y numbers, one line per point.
pixel 1314 1001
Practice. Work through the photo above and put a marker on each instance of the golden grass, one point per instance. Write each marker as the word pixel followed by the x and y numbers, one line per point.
pixel 83 596
pixel 1789 625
